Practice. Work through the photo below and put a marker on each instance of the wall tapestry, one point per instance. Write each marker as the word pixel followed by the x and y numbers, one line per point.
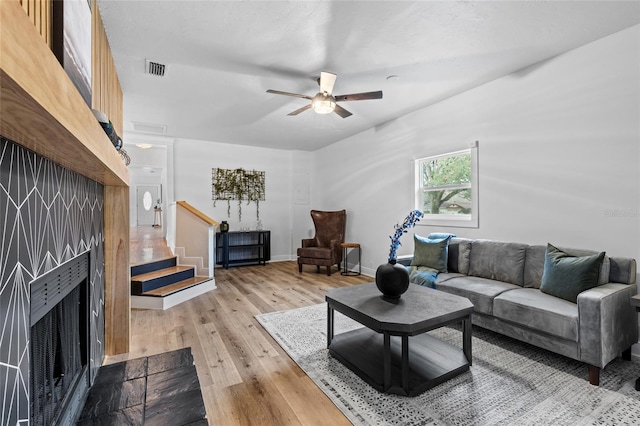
pixel 240 185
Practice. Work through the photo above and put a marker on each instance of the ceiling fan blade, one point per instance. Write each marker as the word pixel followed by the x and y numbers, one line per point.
pixel 295 95
pixel 299 110
pixel 327 80
pixel 359 96
pixel 341 111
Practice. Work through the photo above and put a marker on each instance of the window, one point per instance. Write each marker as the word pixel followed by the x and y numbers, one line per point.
pixel 447 188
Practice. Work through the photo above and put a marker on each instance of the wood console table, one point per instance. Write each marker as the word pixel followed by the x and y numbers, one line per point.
pixel 243 248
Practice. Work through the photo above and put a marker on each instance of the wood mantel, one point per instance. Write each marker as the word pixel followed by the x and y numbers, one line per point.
pixel 41 109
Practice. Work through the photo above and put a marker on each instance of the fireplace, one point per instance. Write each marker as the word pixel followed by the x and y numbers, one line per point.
pixel 59 343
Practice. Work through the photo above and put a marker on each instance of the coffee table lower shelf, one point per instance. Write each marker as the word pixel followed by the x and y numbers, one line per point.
pixel 431 361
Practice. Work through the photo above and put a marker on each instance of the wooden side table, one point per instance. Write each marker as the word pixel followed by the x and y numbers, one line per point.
pixel 345 249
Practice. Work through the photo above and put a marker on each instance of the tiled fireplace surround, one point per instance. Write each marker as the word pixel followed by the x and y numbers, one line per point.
pixel 48 215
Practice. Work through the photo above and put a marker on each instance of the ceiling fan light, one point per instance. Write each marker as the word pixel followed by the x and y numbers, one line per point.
pixel 324 106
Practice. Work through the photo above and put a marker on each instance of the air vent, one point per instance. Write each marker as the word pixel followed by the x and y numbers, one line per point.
pixel 154 68
pixel 156 129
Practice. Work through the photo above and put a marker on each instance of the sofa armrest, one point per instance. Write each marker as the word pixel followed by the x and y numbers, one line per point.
pixel 608 323
pixel 405 260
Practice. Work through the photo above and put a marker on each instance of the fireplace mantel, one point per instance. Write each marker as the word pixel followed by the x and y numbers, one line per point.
pixel 41 110
pixel 39 105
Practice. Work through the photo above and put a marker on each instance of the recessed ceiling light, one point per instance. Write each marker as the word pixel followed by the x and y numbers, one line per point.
pixel 144 145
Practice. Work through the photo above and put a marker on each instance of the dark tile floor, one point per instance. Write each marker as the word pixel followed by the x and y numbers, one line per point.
pixel 160 389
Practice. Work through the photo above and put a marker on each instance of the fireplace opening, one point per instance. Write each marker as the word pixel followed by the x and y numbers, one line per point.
pixel 59 343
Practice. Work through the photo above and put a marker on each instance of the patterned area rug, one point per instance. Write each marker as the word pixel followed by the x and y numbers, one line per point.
pixel 509 383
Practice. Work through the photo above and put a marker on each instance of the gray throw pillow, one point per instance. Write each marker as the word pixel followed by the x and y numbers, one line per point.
pixel 566 276
pixel 430 253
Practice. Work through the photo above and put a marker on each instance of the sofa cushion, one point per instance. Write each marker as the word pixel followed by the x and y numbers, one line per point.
pixel 566 276
pixel 315 252
pixel 622 270
pixel 422 275
pixel 498 261
pixel 430 253
pixel 480 291
pixel 534 266
pixel 447 276
pixel 539 311
pixel 459 251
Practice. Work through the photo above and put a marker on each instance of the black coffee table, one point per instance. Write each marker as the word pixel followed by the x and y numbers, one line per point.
pixel 393 352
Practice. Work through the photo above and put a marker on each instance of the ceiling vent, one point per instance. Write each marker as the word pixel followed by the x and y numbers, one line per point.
pixel 154 68
pixel 155 129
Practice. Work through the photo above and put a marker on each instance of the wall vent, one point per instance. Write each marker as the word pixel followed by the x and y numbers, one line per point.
pixel 154 68
pixel 155 129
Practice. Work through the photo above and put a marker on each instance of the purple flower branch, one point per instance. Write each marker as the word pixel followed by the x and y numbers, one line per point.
pixel 409 222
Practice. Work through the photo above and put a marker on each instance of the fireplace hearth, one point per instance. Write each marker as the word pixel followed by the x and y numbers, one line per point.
pixel 59 343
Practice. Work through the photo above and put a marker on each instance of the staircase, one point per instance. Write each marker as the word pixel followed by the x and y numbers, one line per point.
pixel 162 283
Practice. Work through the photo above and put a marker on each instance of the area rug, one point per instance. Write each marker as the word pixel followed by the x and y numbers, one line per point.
pixel 509 382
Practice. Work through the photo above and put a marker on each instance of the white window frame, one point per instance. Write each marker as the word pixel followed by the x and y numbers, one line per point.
pixel 462 221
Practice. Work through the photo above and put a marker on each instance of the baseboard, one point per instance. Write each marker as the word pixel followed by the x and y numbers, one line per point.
pixel 164 303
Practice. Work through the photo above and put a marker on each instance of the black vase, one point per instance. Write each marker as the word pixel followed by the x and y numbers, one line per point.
pixel 392 280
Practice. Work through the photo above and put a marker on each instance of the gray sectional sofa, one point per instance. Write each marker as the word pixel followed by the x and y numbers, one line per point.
pixel 503 282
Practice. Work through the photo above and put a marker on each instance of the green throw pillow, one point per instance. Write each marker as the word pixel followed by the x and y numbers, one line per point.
pixel 566 276
pixel 430 253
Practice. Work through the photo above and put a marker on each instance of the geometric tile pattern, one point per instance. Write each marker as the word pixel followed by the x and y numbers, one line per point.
pixel 48 215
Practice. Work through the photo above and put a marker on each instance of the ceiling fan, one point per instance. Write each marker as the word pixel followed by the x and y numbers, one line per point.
pixel 324 102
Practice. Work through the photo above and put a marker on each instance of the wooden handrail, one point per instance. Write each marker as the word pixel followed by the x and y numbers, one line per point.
pixel 197 212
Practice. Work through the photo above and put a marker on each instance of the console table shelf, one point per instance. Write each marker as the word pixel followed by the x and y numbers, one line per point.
pixel 243 248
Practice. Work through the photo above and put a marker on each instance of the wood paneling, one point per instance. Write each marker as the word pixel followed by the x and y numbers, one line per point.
pixel 117 280
pixel 106 90
pixel 41 109
pixel 39 12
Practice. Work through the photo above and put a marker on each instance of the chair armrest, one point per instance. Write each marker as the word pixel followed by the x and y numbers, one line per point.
pixel 608 323
pixel 308 242
pixel 405 260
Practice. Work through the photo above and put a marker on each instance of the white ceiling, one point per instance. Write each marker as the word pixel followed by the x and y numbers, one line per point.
pixel 222 56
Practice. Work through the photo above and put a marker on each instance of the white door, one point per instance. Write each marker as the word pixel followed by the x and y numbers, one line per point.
pixel 146 199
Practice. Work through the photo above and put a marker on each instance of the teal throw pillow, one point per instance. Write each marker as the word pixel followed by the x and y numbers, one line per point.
pixel 430 253
pixel 440 235
pixel 566 276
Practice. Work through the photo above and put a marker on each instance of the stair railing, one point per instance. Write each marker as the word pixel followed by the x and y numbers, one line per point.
pixel 194 239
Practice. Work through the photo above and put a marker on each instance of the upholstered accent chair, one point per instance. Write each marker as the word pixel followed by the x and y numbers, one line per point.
pixel 324 248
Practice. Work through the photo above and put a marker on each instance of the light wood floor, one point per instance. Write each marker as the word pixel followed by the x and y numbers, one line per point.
pixel 246 377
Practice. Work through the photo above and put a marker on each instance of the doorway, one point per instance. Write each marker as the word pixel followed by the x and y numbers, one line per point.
pixel 147 197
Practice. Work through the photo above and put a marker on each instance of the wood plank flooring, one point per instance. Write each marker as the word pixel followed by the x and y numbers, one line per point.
pixel 246 377
pixel 146 243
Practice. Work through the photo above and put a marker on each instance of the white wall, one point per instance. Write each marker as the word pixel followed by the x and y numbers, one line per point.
pixel 559 150
pixel 193 161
